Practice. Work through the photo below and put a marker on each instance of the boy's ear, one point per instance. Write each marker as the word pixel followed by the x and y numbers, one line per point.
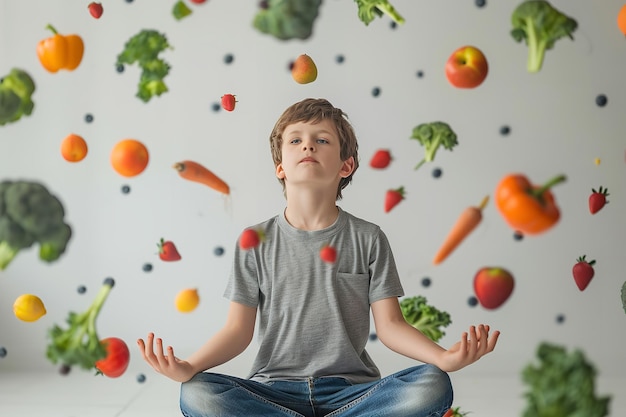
pixel 280 172
pixel 347 167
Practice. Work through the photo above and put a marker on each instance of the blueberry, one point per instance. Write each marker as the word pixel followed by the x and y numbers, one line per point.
pixel 147 267
pixel 216 107
pixel 264 4
pixel 141 378
pixel 125 189
pixel 373 337
pixel 3 351
pixel 419 73
pixel 120 68
pixel 437 172
pixel 218 251
pixel 426 282
pixel 560 318
pixel 89 118
pixel 518 236
pixel 505 130
pixel 601 100
pixel 65 369
pixel 376 91
pixel 480 3
pixel 81 289
pixel 339 59
pixel 229 58
pixel 109 281
pixel 472 301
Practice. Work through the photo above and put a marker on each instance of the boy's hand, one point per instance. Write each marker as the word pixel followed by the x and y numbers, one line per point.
pixel 473 345
pixel 168 365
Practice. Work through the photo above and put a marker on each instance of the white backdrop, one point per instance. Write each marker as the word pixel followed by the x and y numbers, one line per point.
pixel 556 128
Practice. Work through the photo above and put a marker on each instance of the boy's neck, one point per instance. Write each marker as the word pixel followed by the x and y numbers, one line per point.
pixel 311 211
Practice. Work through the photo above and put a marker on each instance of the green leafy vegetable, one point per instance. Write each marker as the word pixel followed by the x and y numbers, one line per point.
pixel 16 90
pixel 180 10
pixel 79 344
pixel 287 19
pixel 540 25
pixel 370 9
pixel 562 385
pixel 424 317
pixel 144 49
pixel 29 213
pixel 431 136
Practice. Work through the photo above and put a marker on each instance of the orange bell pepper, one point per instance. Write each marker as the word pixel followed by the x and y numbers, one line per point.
pixel 60 51
pixel 527 208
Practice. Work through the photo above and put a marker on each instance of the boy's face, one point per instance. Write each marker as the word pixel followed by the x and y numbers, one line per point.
pixel 311 154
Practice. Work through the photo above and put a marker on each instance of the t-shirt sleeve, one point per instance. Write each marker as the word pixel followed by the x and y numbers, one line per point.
pixel 243 282
pixel 384 277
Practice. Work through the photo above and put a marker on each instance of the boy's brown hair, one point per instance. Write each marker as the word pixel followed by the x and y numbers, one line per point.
pixel 314 111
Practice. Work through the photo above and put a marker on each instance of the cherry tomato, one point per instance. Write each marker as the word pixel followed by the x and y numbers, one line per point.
pixel 117 359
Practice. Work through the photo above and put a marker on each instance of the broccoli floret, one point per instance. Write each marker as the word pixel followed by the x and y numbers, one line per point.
pixel 431 136
pixel 370 9
pixel 540 25
pixel 287 19
pixel 562 385
pixel 29 214
pixel 16 90
pixel 144 49
pixel 424 317
pixel 80 344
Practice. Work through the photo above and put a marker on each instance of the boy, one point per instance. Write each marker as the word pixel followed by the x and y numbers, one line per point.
pixel 313 315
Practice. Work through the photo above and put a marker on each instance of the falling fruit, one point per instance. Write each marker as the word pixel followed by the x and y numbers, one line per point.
pixel 129 157
pixel 73 148
pixel 304 70
pixel 28 307
pixel 187 300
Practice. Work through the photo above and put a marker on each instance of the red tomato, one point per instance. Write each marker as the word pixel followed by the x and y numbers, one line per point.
pixel 116 361
pixel 228 102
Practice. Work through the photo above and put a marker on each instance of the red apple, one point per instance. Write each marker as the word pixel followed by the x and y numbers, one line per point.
pixel 467 67
pixel 198 1
pixel 493 286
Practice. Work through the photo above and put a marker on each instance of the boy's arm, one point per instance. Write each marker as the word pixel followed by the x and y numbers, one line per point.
pixel 398 335
pixel 232 339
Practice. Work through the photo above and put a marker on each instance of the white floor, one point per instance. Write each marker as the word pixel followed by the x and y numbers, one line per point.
pixel 85 395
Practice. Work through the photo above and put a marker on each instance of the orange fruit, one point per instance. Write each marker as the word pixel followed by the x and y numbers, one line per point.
pixel 73 148
pixel 129 157
pixel 28 307
pixel 187 300
pixel 304 70
pixel 621 20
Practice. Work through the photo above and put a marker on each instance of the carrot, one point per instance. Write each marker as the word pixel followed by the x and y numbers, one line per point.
pixel 467 221
pixel 196 172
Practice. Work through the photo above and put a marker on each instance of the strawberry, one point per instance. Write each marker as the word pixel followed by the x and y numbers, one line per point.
pixel 597 199
pixel 250 238
pixel 583 272
pixel 328 254
pixel 381 159
pixel 228 102
pixel 95 9
pixel 168 251
pixel 393 198
pixel 454 412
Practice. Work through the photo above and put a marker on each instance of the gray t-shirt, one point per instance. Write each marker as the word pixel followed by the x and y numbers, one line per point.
pixel 313 317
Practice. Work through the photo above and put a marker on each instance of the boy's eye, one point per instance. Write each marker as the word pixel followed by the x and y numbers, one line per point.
pixel 295 141
pixel 321 140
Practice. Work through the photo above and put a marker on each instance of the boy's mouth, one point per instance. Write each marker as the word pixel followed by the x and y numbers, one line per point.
pixel 308 159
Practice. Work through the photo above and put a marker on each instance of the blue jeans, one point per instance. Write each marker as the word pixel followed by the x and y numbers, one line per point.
pixel 420 391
